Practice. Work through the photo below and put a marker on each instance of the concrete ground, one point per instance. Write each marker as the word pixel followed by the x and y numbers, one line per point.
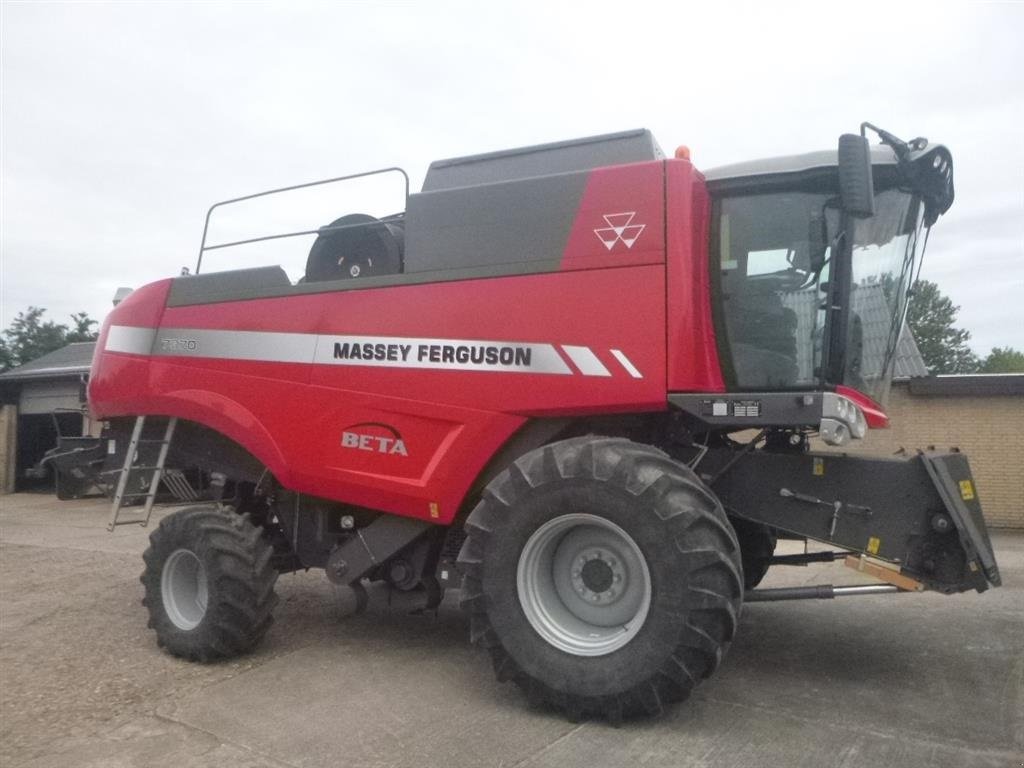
pixel 892 680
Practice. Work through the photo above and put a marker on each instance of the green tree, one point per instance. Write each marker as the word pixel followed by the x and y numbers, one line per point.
pixel 1003 360
pixel 30 336
pixel 82 330
pixel 6 358
pixel 932 318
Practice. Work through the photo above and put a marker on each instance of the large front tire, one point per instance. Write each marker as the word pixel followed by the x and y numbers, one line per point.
pixel 603 577
pixel 209 584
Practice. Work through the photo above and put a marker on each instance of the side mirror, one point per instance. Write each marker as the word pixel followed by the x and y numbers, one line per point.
pixel 856 187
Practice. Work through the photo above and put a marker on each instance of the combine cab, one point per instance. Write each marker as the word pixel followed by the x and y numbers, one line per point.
pixel 580 381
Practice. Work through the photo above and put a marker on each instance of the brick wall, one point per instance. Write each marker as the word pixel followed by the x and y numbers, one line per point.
pixel 989 429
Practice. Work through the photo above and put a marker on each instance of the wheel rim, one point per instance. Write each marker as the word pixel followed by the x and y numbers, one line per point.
pixel 584 584
pixel 184 589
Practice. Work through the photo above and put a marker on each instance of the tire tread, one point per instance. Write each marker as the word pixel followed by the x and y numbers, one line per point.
pixel 709 556
pixel 241 577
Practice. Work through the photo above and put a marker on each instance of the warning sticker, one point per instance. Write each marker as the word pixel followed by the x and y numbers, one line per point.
pixel 873 544
pixel 818 469
pixel 966 490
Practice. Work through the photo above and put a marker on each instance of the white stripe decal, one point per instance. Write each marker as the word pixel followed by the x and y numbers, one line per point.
pixel 585 359
pixel 627 364
pixel 378 351
pixel 130 340
pixel 375 351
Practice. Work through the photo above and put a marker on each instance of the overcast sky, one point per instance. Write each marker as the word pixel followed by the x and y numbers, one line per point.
pixel 122 122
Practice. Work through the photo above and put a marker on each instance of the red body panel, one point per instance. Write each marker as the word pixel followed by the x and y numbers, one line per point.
pixel 410 433
pixel 693 364
pixel 142 308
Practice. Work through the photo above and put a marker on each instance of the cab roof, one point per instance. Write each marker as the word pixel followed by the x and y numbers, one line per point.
pixel 795 164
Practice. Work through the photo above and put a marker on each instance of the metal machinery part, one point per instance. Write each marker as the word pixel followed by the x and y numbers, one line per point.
pixel 821 592
pixel 584 584
pixel 402 574
pixel 836 417
pixel 880 507
pixel 184 589
pixel 372 547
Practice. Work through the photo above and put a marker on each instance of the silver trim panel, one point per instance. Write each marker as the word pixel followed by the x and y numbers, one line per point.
pixel 328 349
pixel 130 340
pixel 373 351
pixel 263 346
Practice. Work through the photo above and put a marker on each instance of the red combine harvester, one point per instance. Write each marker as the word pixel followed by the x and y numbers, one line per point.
pixel 582 377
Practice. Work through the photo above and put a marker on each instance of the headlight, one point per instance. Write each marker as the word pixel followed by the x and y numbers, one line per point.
pixel 859 424
pixel 834 432
pixel 841 420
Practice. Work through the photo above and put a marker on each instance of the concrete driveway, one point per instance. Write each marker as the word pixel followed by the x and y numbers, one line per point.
pixel 892 680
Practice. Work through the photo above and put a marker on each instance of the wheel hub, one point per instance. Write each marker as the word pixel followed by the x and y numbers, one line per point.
pixel 584 584
pixel 597 575
pixel 184 589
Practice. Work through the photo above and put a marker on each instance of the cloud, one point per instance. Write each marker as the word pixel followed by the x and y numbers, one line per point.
pixel 123 122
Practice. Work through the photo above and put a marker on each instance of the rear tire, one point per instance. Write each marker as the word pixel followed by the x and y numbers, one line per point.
pixel 647 637
pixel 209 584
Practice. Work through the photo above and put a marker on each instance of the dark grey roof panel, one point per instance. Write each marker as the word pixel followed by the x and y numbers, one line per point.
pixel 516 222
pixel 223 286
pixel 72 360
pixel 636 146
pixel 880 155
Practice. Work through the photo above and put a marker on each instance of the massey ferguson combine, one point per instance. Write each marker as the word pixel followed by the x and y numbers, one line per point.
pixel 580 381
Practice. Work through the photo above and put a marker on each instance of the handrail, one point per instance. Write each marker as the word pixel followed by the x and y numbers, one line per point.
pixel 203 247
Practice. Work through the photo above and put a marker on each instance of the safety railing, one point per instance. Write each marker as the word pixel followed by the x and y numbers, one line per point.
pixel 203 247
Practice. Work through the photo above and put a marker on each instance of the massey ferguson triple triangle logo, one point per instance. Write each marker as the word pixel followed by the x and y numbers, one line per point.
pixel 620 229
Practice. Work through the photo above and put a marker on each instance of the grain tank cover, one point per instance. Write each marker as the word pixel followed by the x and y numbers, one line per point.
pixel 510 212
pixel 637 146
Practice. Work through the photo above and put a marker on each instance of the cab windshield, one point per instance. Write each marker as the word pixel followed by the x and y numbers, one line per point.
pixel 885 248
pixel 773 255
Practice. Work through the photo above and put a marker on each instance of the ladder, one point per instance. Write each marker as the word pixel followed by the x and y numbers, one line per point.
pixel 129 467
